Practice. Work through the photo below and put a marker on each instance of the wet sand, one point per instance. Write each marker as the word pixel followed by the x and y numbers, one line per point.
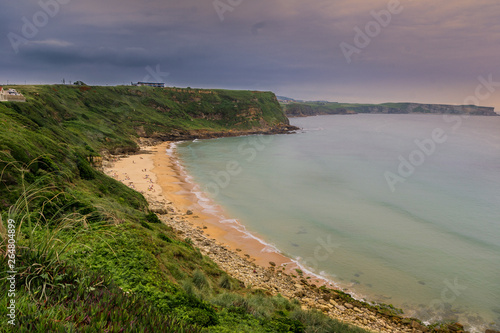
pixel 157 175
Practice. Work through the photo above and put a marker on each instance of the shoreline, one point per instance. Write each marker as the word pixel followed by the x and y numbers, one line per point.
pixel 162 180
pixel 211 219
pixel 229 232
pixel 167 185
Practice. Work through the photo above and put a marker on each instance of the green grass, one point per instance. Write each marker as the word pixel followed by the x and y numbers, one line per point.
pixel 91 256
pixel 120 278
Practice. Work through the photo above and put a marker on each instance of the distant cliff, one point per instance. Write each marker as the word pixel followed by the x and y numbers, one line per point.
pixel 113 118
pixel 324 108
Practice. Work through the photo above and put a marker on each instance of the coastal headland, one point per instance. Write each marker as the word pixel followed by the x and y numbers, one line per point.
pixel 118 252
pixel 294 108
pixel 156 173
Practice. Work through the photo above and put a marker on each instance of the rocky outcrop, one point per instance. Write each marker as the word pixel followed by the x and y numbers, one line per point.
pixel 179 135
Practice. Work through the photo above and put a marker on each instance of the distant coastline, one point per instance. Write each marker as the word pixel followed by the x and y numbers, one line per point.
pixel 86 127
pixel 294 108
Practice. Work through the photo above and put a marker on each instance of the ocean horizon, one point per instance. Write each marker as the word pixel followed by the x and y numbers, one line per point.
pixel 397 209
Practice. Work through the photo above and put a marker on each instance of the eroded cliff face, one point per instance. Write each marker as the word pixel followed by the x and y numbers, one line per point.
pixel 227 113
pixel 112 119
pixel 231 109
pixel 311 109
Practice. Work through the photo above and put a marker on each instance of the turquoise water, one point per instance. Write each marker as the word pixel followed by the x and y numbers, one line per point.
pixel 429 243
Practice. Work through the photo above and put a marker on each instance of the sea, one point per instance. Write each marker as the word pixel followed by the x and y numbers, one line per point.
pixel 395 209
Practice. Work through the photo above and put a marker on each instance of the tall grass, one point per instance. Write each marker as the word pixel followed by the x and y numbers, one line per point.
pixel 200 279
pixel 53 296
pixel 317 322
pixel 56 296
pixel 41 240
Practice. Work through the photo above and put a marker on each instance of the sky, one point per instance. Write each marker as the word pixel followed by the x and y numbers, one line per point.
pixel 359 51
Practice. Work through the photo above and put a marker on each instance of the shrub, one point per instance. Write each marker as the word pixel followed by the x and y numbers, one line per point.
pixel 165 238
pixel 85 170
pixel 199 279
pixel 145 225
pixel 259 305
pixel 317 322
pixel 152 218
pixel 228 300
pixel 194 311
pixel 225 282
pixel 281 323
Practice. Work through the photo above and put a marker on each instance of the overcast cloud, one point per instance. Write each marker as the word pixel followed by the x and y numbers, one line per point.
pixel 430 52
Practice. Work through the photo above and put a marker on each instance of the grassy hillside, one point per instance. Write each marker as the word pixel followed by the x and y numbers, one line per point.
pixel 324 108
pixel 90 256
pixel 112 116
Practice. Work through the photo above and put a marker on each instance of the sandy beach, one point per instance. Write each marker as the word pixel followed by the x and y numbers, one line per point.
pixel 157 175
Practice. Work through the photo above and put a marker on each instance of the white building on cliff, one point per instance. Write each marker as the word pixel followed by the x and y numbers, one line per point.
pixel 11 95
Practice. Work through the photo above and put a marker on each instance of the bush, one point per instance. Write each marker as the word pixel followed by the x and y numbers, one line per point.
pixel 152 218
pixel 75 296
pixel 281 323
pixel 85 170
pixel 199 279
pixel 194 311
pixel 165 238
pixel 145 225
pixel 225 282
pixel 317 322
pixel 228 300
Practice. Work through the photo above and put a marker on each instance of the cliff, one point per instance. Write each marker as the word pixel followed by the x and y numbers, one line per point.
pixel 93 248
pixel 325 108
pixel 113 117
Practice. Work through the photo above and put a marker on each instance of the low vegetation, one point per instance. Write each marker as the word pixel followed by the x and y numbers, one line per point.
pixel 90 256
pixel 302 109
